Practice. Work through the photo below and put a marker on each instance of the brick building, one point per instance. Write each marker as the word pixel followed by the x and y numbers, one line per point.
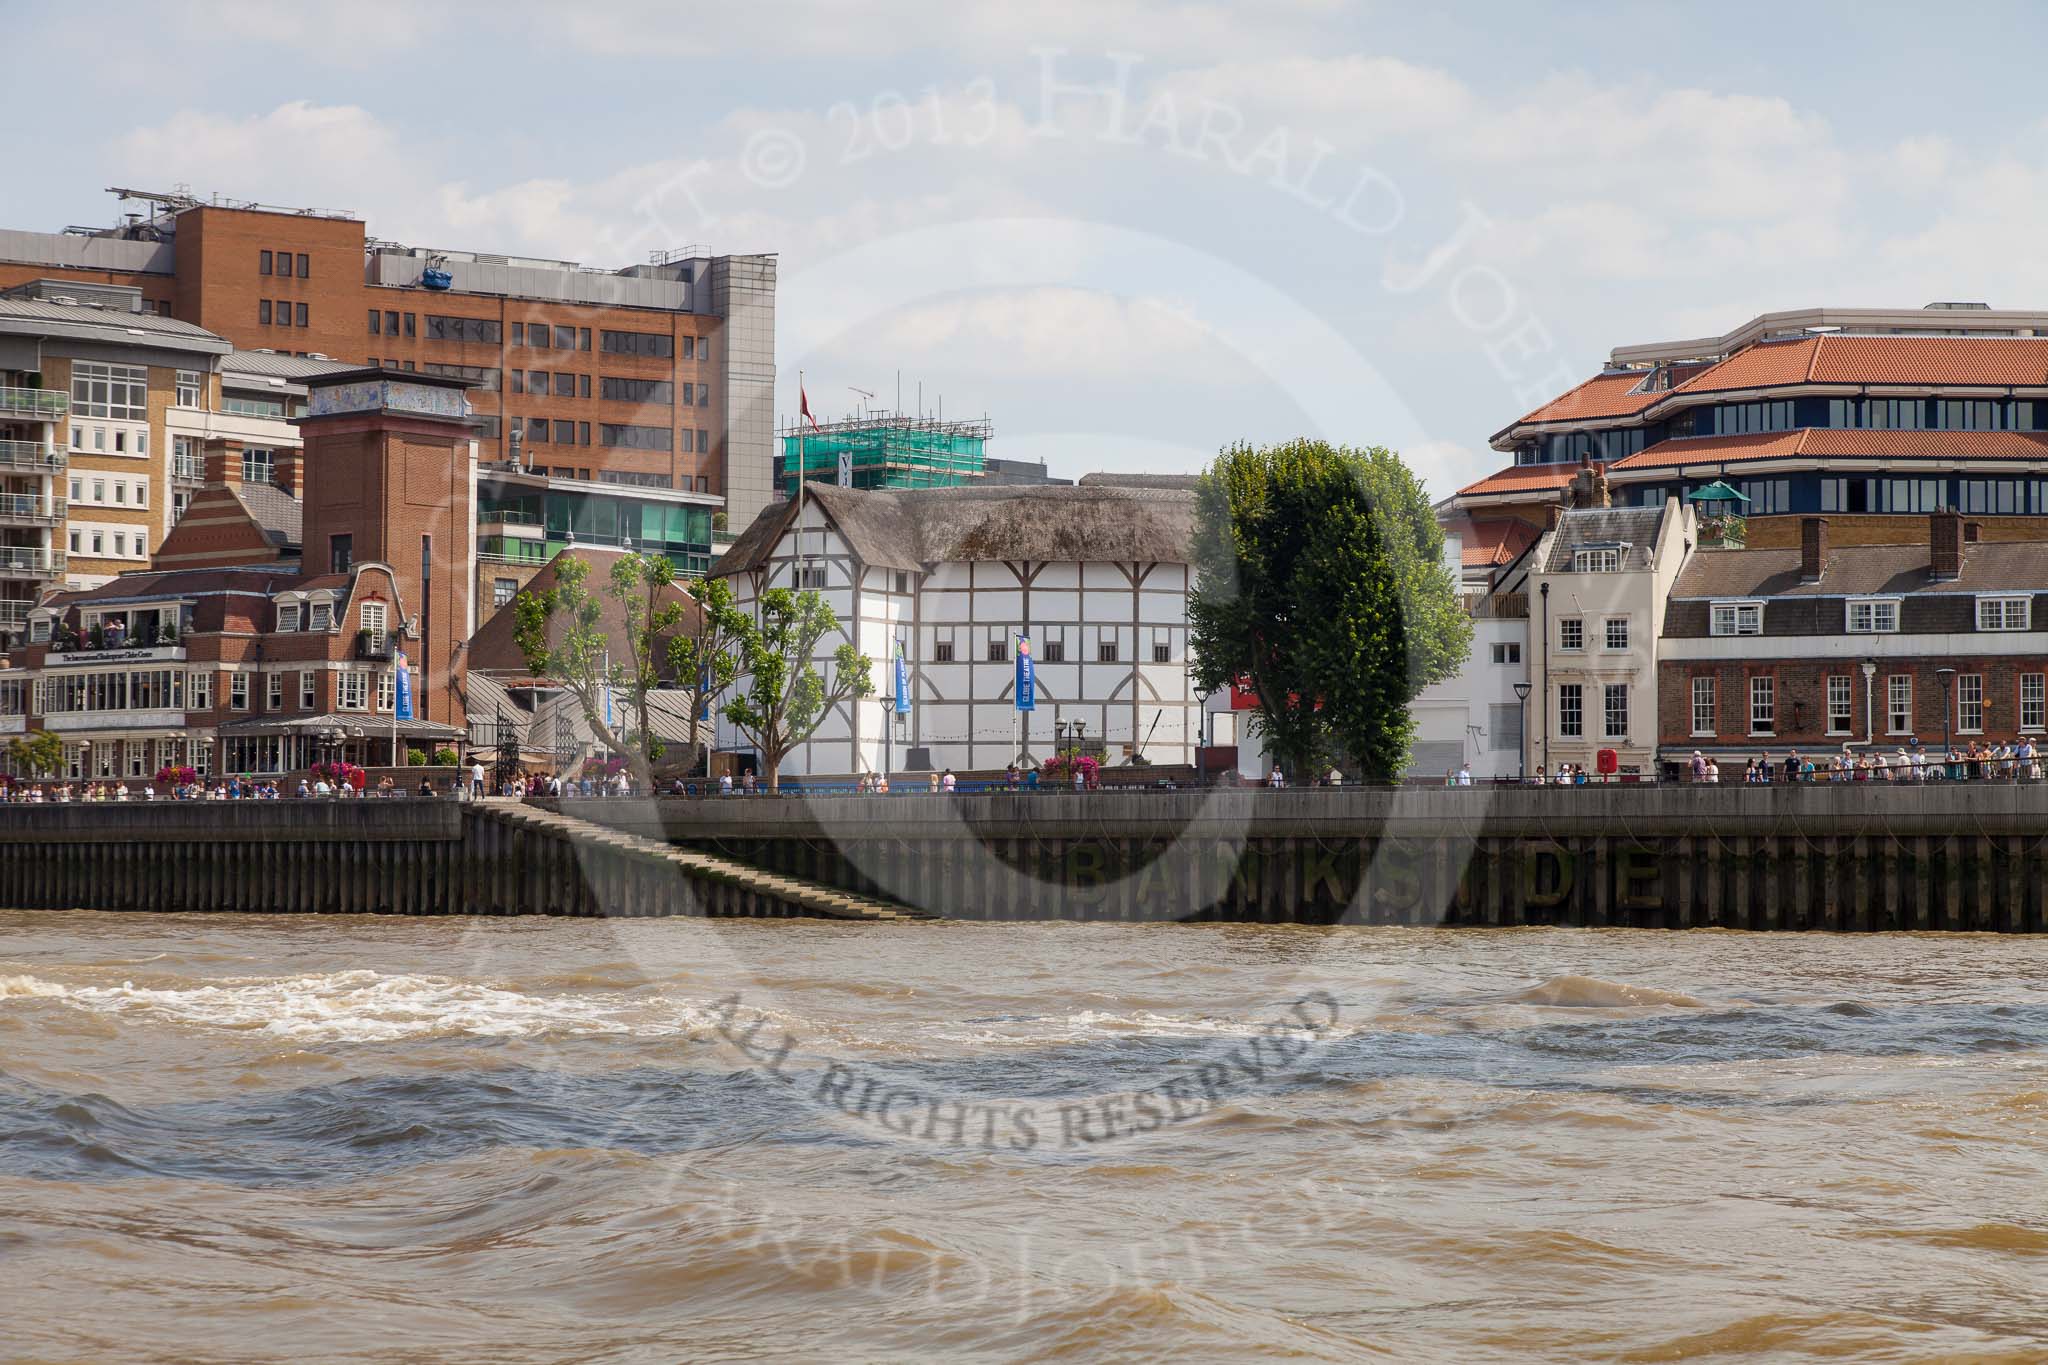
pixel 241 653
pixel 599 394
pixel 1828 645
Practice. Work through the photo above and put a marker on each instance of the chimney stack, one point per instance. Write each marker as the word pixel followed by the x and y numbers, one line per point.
pixel 221 461
pixel 1972 532
pixel 289 472
pixel 1813 548
pixel 1945 537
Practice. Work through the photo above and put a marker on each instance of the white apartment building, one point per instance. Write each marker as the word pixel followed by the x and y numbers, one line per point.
pixel 1095 576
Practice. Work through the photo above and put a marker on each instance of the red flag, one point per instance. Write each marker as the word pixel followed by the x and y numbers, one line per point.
pixel 804 403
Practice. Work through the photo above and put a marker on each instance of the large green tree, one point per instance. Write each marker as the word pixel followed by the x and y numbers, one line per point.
pixel 1320 581
pixel 564 636
pixel 783 698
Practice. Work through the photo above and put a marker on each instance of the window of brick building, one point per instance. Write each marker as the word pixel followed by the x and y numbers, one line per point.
pixel 1704 716
pixel 263 263
pixel 1763 704
pixel 1970 703
pixel 1898 703
pixel 1841 708
pixel 263 312
pixel 503 590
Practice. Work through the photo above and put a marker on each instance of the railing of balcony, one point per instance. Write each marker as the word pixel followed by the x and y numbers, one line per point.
pixel 185 467
pixel 14 613
pixel 32 455
pixel 45 404
pixel 1498 606
pixel 27 507
pixel 30 559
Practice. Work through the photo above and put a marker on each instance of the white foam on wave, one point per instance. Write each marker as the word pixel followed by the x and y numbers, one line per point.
pixel 369 1006
pixel 1590 992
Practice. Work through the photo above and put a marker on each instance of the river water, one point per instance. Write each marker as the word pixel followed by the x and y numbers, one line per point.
pixel 372 1139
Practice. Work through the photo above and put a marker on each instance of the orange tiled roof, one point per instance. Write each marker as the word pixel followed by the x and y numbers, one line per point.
pixel 1843 442
pixel 1879 360
pixel 1522 478
pixel 1604 395
pixel 1491 543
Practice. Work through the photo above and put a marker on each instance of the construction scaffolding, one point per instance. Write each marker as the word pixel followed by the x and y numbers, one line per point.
pixel 885 450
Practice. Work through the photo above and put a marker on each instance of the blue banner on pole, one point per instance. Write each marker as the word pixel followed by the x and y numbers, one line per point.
pixel 1027 676
pixel 403 685
pixel 902 682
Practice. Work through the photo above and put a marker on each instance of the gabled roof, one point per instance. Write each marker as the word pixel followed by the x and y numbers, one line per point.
pixel 150 585
pixel 494 649
pixel 1489 544
pixel 1840 442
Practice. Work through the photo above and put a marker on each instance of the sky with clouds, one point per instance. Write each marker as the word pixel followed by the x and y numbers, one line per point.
pixel 1128 231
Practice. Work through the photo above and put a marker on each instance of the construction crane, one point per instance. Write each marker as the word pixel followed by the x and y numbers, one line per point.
pixel 864 394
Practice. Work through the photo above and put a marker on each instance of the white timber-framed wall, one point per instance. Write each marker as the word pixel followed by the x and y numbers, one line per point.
pixel 1109 639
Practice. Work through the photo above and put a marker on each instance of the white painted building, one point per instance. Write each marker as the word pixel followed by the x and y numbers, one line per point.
pixel 1476 718
pixel 1599 583
pixel 1095 575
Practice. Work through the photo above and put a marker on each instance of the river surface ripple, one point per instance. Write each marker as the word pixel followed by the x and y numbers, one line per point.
pixel 240 1138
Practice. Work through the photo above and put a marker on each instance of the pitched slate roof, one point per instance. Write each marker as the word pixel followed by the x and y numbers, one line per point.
pixel 1635 527
pixel 1858 570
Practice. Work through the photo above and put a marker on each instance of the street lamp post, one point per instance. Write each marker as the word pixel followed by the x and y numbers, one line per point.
pixel 1869 703
pixel 1947 676
pixel 1522 749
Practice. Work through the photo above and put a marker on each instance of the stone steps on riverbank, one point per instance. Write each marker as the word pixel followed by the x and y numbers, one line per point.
pixel 801 897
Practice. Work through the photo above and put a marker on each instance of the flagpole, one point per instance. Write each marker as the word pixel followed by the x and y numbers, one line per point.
pixel 803 402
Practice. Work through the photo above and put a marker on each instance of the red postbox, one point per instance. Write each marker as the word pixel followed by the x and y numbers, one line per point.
pixel 1608 762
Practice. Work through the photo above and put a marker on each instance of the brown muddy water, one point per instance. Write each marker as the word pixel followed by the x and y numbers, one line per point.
pixel 368 1139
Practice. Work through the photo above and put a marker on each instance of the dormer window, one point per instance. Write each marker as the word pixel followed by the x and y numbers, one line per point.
pixel 39 630
pixel 1597 559
pixel 1737 618
pixel 288 616
pixel 323 616
pixel 2003 613
pixel 1873 616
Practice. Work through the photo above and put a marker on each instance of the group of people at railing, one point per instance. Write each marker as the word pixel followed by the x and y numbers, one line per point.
pixel 1996 761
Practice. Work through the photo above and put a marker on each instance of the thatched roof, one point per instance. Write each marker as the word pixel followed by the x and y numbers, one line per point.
pixel 914 528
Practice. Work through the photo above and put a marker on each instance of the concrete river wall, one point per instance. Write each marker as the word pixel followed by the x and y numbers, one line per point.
pixel 1855 857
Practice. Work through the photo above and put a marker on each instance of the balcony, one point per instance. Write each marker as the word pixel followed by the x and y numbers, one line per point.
pixel 38 405
pixel 375 644
pixel 26 509
pixel 511 550
pixel 1498 606
pixel 32 457
pixel 186 467
pixel 29 561
pixel 14 613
